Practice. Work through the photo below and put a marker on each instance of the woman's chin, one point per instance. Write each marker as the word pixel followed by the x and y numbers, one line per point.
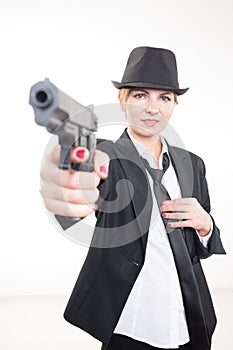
pixel 145 132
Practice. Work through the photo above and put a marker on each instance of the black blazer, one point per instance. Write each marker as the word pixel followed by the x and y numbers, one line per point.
pixel 117 252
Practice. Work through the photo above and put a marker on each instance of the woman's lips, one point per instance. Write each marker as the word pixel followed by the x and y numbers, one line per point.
pixel 150 122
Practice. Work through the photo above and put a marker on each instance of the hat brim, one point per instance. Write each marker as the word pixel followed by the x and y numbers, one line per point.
pixel 149 85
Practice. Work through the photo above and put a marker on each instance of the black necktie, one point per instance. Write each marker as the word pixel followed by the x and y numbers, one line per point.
pixel 190 293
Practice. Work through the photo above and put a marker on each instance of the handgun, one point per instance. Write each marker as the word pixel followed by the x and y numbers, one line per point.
pixel 61 115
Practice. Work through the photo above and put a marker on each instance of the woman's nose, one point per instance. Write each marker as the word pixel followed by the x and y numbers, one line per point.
pixel 152 106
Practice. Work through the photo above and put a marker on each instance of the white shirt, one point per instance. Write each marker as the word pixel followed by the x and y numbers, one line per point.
pixel 154 311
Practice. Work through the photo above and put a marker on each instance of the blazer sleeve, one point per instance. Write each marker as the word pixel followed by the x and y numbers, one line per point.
pixel 215 244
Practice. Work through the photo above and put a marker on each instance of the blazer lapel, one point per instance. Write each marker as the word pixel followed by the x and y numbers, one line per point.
pixel 182 164
pixel 180 159
pixel 126 150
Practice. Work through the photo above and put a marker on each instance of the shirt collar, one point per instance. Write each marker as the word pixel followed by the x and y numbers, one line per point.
pixel 145 153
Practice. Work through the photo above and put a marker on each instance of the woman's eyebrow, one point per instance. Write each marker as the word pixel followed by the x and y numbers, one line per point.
pixel 147 92
pixel 166 93
pixel 138 89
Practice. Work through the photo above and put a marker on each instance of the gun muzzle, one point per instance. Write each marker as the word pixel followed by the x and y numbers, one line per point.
pixel 42 98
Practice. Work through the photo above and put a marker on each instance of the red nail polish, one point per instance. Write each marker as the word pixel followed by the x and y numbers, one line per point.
pixel 103 169
pixel 163 215
pixel 80 153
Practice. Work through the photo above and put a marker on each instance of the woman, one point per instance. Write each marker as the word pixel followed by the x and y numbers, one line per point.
pixel 141 286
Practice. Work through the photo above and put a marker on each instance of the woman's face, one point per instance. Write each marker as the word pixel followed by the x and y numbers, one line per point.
pixel 148 110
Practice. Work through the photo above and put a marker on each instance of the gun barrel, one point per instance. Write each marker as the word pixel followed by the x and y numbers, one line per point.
pixel 42 97
pixel 52 106
pixel 44 100
pixel 62 115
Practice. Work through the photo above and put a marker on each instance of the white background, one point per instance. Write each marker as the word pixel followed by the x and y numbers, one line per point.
pixel 81 46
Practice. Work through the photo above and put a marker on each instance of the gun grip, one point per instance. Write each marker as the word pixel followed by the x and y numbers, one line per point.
pixel 65 164
pixel 85 166
pixel 64 161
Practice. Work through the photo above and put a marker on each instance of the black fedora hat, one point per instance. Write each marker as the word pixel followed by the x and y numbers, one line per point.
pixel 151 67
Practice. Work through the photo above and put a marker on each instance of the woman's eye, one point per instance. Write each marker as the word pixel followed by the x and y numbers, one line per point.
pixel 140 96
pixel 165 98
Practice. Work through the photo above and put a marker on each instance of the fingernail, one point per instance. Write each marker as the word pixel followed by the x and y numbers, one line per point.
pixel 161 208
pixel 103 169
pixel 80 153
pixel 163 215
